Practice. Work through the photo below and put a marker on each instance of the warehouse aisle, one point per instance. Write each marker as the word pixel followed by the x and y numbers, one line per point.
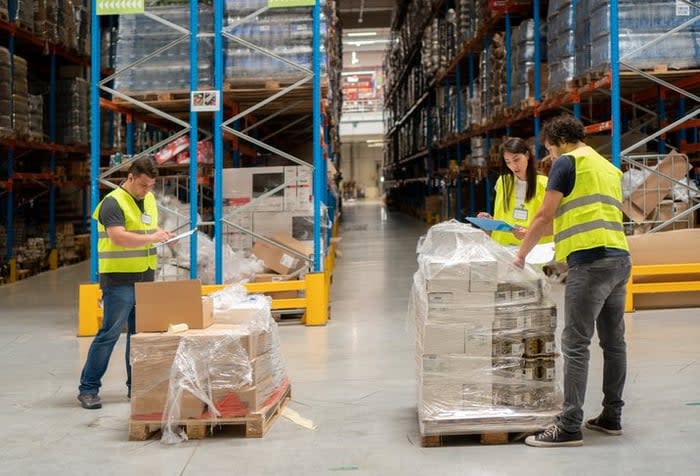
pixel 354 378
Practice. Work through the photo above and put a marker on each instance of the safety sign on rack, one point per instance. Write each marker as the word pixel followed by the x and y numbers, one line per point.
pixel 203 101
pixel 120 7
pixel 290 3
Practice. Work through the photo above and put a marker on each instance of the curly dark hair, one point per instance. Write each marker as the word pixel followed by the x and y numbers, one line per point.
pixel 564 129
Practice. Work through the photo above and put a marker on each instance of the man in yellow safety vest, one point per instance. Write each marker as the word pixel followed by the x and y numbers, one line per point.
pixel 584 200
pixel 128 229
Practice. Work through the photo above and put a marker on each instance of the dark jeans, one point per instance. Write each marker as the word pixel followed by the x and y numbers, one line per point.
pixel 595 298
pixel 119 309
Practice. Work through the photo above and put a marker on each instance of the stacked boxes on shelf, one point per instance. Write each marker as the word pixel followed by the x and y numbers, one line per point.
pixel 493 78
pixel 65 243
pixel 3 10
pixel 485 337
pixel 228 365
pixel 561 44
pixel 36 118
pixel 523 62
pixel 139 36
pixel 640 22
pixel 72 108
pixel 288 211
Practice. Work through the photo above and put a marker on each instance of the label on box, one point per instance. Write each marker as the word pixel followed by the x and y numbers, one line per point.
pixel 517 349
pixel 549 374
pixel 288 261
pixel 682 9
pixel 549 347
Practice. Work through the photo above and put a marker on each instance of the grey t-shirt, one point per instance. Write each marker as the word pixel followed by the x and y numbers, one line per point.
pixel 111 214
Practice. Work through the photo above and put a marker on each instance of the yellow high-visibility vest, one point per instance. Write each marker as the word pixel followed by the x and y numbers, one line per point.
pixel 508 216
pixel 118 259
pixel 591 216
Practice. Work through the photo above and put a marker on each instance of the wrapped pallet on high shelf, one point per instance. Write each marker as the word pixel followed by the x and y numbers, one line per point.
pixel 640 22
pixel 20 98
pixel 486 355
pixel 24 14
pixel 523 62
pixel 139 36
pixel 561 45
pixel 5 94
pixel 493 78
pixel 286 32
pixel 36 118
pixel 72 109
pixel 227 373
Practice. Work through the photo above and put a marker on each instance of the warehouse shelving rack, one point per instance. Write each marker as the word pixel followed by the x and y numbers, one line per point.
pixel 241 129
pixel 16 184
pixel 612 91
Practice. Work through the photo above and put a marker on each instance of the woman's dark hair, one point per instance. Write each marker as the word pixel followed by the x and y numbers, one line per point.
pixel 564 129
pixel 143 166
pixel 516 145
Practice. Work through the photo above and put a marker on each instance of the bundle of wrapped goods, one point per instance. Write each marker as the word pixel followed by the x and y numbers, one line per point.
pixel 20 98
pixel 139 36
pixel 494 77
pixel 81 29
pixel 486 357
pixel 479 154
pixel 36 118
pixel 24 14
pixel 66 28
pixel 640 22
pixel 231 369
pixel 5 93
pixel 467 20
pixel 73 111
pixel 3 10
pixel 583 35
pixel 523 61
pixel 287 32
pixel 561 44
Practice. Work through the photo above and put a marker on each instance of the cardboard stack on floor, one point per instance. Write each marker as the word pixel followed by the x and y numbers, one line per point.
pixel 227 365
pixel 486 358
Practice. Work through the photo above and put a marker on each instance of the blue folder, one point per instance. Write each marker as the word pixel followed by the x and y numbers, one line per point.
pixel 489 224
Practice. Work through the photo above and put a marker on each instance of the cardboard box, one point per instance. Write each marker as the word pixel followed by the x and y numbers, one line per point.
pixel 461 299
pixel 299 196
pixel 478 337
pixel 668 209
pixel 151 405
pixel 447 286
pixel 643 201
pixel 161 303
pixel 483 276
pixel 243 185
pixel 443 339
pixel 666 247
pixel 447 271
pixel 278 259
pixel 298 224
pixel 232 402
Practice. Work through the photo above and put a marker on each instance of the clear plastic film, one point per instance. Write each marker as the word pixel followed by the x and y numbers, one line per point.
pixel 222 372
pixel 485 336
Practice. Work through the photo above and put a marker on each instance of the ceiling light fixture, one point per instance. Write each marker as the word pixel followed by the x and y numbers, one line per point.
pixel 362 33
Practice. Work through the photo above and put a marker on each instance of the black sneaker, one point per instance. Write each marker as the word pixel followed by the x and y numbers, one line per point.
pixel 90 401
pixel 605 426
pixel 553 437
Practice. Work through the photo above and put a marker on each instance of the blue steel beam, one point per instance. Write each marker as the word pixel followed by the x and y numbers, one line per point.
pixel 194 84
pixel 319 179
pixel 95 52
pixel 615 86
pixel 219 143
pixel 537 78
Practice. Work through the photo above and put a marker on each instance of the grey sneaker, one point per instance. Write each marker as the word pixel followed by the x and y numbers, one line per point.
pixel 90 401
pixel 604 426
pixel 555 437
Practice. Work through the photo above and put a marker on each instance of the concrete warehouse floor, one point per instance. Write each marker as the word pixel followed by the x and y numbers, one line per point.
pixel 354 378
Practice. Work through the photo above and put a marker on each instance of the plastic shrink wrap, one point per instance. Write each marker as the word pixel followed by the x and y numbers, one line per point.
pixel 224 371
pixel 485 337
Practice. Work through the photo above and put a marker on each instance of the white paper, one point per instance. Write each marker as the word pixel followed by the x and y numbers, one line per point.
pixel 178 237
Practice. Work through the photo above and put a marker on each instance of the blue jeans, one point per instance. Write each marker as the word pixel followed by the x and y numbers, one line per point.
pixel 595 298
pixel 119 302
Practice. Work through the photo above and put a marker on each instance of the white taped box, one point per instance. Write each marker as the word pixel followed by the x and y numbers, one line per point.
pixel 447 285
pixel 443 339
pixel 242 312
pixel 461 299
pixel 446 270
pixel 454 315
pixel 483 276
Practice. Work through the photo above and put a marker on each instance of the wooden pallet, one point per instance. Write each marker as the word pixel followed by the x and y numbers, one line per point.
pixel 23 274
pixel 489 438
pixel 255 425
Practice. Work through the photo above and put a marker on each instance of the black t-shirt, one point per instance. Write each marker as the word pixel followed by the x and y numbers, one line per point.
pixel 111 214
pixel 562 178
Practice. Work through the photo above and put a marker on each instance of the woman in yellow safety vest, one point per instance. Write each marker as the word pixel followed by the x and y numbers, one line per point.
pixel 519 192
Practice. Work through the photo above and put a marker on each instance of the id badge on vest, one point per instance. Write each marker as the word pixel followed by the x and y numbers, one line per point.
pixel 145 219
pixel 520 214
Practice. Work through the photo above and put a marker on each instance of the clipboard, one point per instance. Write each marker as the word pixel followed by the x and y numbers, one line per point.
pixel 178 237
pixel 489 224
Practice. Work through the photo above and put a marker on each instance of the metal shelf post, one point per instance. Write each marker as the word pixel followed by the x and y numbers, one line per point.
pixel 95 52
pixel 194 84
pixel 219 144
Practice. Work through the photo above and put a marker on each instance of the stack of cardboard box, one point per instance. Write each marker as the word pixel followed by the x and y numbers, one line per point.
pixel 228 364
pixel 485 337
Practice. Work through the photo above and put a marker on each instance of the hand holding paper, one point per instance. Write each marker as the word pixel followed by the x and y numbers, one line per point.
pixel 177 237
